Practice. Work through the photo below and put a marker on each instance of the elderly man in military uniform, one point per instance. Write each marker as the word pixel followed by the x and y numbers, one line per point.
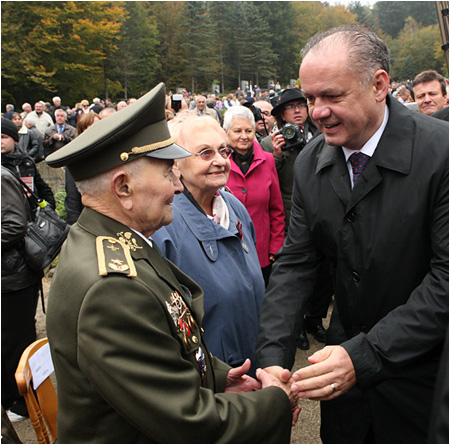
pixel 124 324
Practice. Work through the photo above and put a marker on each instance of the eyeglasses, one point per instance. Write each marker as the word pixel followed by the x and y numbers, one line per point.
pixel 292 106
pixel 266 113
pixel 210 153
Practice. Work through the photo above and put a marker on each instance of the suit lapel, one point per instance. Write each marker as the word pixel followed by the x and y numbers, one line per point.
pixel 333 157
pixel 394 152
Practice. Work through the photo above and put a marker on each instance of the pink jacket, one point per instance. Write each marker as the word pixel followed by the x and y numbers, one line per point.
pixel 259 191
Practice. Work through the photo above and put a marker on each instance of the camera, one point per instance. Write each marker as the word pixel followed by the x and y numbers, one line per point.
pixel 255 110
pixel 293 136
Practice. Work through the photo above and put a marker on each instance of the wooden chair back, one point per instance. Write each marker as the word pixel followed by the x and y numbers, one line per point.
pixel 43 410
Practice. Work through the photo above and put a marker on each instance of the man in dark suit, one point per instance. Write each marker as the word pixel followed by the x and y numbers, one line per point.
pixel 124 324
pixel 384 229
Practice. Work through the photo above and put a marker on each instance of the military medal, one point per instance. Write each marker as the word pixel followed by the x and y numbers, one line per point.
pixel 183 319
pixel 200 357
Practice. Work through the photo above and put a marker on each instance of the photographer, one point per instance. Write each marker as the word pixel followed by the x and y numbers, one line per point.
pixel 264 121
pixel 296 129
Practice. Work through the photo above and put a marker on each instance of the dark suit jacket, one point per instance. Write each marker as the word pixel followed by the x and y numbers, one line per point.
pixel 387 241
pixel 126 372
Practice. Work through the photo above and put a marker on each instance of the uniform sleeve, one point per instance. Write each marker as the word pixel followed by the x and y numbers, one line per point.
pixel 152 385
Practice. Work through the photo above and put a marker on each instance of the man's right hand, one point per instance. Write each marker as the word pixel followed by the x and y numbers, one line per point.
pixel 278 142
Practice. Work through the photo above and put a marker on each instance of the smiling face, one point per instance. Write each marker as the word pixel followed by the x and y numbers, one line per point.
pixel 153 191
pixel 241 135
pixel 204 178
pixel 347 113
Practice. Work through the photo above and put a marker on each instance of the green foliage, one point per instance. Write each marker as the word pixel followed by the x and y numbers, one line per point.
pixel 60 196
pixel 122 49
pixel 391 16
pixel 414 50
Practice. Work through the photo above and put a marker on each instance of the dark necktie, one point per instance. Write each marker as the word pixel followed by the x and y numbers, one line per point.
pixel 358 161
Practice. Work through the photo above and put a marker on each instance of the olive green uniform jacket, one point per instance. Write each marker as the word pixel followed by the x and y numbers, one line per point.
pixel 131 364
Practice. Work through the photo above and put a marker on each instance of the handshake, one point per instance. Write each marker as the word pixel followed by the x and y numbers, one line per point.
pixel 331 374
pixel 238 382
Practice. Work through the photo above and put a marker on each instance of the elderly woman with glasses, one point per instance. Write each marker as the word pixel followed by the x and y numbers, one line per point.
pixel 212 239
pixel 254 181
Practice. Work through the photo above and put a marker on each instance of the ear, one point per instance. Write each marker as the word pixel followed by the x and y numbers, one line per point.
pixel 380 82
pixel 122 189
pixel 176 167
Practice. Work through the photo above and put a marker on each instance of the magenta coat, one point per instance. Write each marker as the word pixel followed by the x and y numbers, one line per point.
pixel 259 191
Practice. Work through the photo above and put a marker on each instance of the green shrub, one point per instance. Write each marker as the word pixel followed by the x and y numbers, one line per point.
pixel 60 196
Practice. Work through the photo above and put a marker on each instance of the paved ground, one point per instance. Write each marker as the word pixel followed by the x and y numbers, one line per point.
pixel 306 430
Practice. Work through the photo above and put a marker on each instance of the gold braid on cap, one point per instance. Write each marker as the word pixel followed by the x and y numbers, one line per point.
pixel 146 148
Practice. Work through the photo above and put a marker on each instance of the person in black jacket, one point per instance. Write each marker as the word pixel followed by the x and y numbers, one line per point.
pixel 20 290
pixel 384 229
pixel 22 165
pixel 20 284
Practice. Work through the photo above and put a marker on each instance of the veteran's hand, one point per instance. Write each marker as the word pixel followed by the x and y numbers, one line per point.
pixel 278 142
pixel 268 378
pixel 331 374
pixel 282 374
pixel 238 381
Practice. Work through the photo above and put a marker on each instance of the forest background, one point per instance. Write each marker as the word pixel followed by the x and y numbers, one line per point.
pixel 84 49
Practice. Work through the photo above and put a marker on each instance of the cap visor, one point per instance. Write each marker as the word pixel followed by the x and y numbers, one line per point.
pixel 172 151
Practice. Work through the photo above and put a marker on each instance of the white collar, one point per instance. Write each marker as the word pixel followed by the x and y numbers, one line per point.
pixel 370 146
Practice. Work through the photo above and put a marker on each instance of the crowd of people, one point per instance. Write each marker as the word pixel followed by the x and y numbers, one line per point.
pixel 209 237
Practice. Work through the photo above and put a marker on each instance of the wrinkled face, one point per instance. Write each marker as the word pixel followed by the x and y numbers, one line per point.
pixel 153 191
pixel 60 118
pixel 345 112
pixel 429 97
pixel 8 144
pixel 57 102
pixel 201 103
pixel 17 119
pixel 201 176
pixel 39 108
pixel 295 112
pixel 241 135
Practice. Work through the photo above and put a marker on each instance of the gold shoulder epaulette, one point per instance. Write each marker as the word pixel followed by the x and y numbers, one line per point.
pixel 113 256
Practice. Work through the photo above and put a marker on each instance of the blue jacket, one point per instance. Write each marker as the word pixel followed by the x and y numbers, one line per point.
pixel 230 276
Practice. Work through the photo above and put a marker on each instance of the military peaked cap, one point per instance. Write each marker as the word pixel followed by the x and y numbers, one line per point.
pixel 135 131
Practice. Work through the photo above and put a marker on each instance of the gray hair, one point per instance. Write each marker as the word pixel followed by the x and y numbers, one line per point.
pixel 99 184
pixel 237 112
pixel 10 107
pixel 366 51
pixel 60 110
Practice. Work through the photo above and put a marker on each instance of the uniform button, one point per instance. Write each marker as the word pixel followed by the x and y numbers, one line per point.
pixel 194 339
pixel 244 190
pixel 363 329
pixel 350 217
pixel 355 276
